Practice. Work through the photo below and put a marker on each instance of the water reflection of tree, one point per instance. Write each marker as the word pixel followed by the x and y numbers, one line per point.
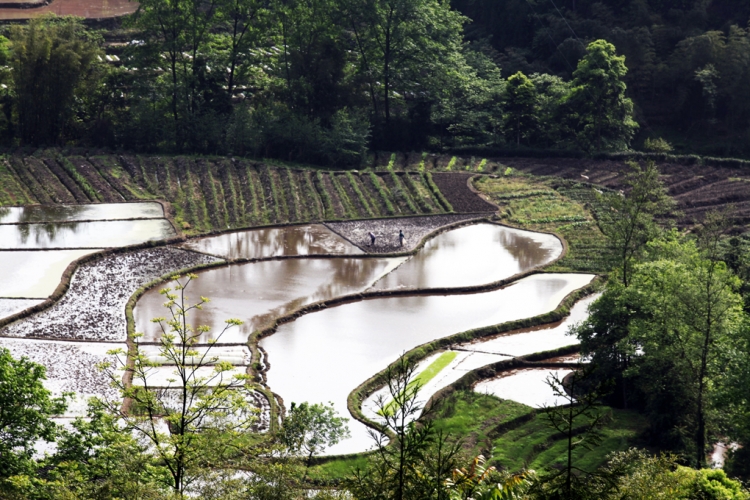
pixel 526 250
pixel 56 213
pixel 44 235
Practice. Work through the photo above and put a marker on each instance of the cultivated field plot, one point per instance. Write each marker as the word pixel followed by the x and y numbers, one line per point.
pixel 38 243
pixel 697 189
pixel 320 350
pixel 229 193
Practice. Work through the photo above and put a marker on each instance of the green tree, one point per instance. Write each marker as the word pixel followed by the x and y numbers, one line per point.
pixel 690 312
pixel 25 411
pixel 632 223
pixel 310 429
pixel 638 475
pixel 96 459
pixel 412 459
pixel 520 108
pixel 578 420
pixel 180 31
pixel 52 63
pixel 206 406
pixel 600 116
pixel 405 47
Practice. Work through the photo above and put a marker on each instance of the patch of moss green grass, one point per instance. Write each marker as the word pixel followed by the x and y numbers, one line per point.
pixel 423 377
pixel 483 422
pixel 335 470
pixel 568 209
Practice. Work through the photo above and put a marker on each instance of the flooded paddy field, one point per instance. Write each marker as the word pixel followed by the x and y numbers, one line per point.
pixel 34 274
pixel 472 355
pixel 39 242
pixel 323 356
pixel 94 306
pixel 72 213
pixel 260 292
pixel 13 306
pixel 310 239
pixel 473 255
pixel 527 386
pixel 97 234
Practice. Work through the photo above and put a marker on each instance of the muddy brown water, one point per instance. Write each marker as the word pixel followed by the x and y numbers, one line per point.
pixel 473 255
pixel 34 274
pixel 323 356
pixel 98 234
pixel 260 291
pixel 68 213
pixel 312 239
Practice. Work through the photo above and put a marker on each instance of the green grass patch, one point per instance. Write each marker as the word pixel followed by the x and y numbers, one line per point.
pixel 400 191
pixel 349 210
pixel 325 197
pixel 336 469
pixel 422 378
pixel 451 164
pixel 514 436
pixel 12 192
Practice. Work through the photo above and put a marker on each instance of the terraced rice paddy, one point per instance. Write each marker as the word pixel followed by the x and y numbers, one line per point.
pixel 487 350
pixel 226 193
pixel 38 243
pixel 527 387
pixel 323 356
pixel 269 273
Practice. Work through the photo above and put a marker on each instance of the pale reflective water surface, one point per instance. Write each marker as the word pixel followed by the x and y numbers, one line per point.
pixel 527 386
pixel 9 307
pixel 311 239
pixel 67 213
pixel 34 274
pixel 473 255
pixel 99 234
pixel 488 350
pixel 258 292
pixel 323 356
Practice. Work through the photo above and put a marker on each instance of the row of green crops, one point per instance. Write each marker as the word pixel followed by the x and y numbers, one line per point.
pixel 217 194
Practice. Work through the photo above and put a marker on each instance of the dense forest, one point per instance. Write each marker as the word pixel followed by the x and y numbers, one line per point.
pixel 325 80
pixel 687 60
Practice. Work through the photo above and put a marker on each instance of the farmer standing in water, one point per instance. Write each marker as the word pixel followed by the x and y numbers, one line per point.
pixel 401 236
pixel 372 238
